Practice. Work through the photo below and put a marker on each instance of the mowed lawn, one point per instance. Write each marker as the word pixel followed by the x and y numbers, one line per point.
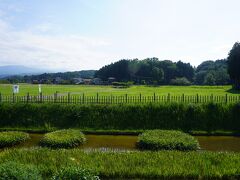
pixel 91 90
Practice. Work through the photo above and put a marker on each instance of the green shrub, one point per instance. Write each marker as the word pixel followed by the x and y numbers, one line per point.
pixel 11 138
pixel 16 171
pixel 180 82
pixel 177 116
pixel 75 173
pixel 67 138
pixel 167 140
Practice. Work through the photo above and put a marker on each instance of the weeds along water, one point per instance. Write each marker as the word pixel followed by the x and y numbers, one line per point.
pixel 161 164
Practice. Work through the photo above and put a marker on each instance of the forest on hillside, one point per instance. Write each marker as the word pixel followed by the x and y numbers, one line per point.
pixel 154 71
pixel 150 71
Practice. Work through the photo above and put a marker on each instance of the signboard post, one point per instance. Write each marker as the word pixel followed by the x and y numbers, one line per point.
pixel 15 89
pixel 40 92
pixel 39 88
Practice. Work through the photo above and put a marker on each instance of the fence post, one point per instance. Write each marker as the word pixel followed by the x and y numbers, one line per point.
pixel 55 97
pixel 28 97
pixel 197 99
pixel 83 98
pixel 68 98
pixel 0 97
pixel 41 97
pixel 211 97
pixel 183 98
pixel 13 98
pixel 226 100
pixel 140 97
pixel 97 98
pixel 126 100
pixel 154 97
pixel 168 97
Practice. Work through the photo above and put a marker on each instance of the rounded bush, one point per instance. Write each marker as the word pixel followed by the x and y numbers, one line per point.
pixel 16 171
pixel 11 138
pixel 167 140
pixel 77 173
pixel 67 138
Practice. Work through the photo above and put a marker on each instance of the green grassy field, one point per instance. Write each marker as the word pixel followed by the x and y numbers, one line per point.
pixel 109 90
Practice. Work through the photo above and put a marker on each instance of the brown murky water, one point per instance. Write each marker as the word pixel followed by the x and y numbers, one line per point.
pixel 126 142
pixel 117 142
pixel 219 143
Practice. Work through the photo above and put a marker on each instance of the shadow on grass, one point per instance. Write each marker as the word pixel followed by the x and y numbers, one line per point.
pixel 233 91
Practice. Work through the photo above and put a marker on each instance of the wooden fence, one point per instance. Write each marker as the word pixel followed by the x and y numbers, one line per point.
pixel 117 99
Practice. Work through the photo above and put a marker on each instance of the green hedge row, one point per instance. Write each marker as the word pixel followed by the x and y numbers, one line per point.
pixel 206 117
pixel 167 140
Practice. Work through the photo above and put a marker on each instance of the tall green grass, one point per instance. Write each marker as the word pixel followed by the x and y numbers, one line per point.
pixel 167 140
pixel 11 138
pixel 129 165
pixel 186 117
pixel 66 138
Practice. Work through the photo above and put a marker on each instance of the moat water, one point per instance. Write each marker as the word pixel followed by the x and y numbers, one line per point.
pixel 128 142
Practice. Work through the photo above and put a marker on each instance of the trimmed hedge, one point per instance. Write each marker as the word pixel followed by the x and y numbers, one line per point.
pixel 67 138
pixel 177 116
pixel 16 171
pixel 167 140
pixel 11 138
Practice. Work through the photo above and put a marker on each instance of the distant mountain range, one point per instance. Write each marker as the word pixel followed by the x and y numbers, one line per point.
pixel 19 70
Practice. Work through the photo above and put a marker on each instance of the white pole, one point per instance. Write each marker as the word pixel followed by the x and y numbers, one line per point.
pixel 39 88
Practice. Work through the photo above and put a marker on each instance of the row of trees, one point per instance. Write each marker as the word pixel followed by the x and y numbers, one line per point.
pixel 154 71
pixel 49 78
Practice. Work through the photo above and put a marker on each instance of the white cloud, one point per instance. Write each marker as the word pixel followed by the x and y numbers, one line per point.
pixel 33 49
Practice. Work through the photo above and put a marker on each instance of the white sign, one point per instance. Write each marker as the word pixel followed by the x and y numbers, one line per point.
pixel 15 89
pixel 39 88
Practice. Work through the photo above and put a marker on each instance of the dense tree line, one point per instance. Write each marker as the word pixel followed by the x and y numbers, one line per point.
pixel 212 73
pixel 48 78
pixel 154 71
pixel 234 65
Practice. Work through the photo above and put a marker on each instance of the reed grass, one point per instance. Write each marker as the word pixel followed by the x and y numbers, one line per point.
pixel 167 140
pixel 11 138
pixel 131 165
pixel 66 138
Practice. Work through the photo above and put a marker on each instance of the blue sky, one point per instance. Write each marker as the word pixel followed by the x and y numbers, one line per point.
pixel 87 34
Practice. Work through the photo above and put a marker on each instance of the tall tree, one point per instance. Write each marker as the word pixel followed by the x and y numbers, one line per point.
pixel 234 65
